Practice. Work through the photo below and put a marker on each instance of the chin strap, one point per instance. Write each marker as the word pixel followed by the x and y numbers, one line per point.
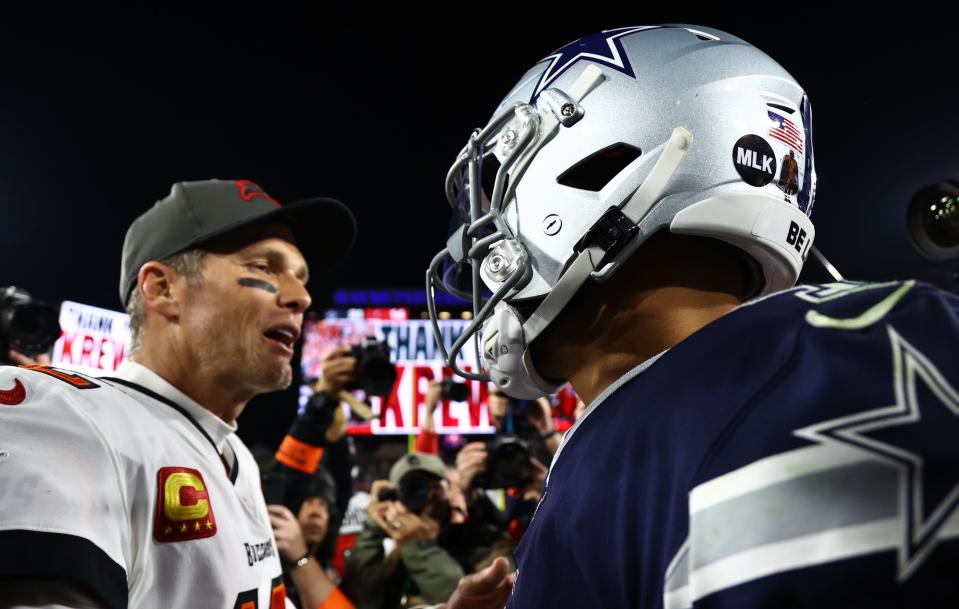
pixel 506 337
pixel 592 256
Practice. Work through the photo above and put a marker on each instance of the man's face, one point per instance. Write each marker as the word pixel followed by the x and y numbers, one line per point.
pixel 314 519
pixel 440 508
pixel 241 322
pixel 498 407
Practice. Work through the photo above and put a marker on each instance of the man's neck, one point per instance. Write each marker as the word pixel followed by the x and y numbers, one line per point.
pixel 195 381
pixel 617 336
pixel 626 338
pixel 673 286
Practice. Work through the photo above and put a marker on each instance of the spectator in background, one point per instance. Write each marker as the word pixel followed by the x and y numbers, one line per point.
pixel 29 328
pixel 428 441
pixel 300 485
pixel 417 542
pixel 411 566
pixel 305 542
pixel 532 420
pixel 18 359
pixel 535 426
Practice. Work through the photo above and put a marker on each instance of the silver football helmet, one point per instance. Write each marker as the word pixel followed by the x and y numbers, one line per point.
pixel 600 145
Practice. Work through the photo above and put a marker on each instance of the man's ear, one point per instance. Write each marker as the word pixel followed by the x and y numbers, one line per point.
pixel 157 284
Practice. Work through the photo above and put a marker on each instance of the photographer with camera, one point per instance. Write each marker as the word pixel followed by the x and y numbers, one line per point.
pixel 513 460
pixel 412 513
pixel 305 538
pixel 302 496
pixel 28 328
pixel 428 441
pixel 532 420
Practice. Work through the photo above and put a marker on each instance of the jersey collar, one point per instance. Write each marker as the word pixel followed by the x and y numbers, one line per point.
pixel 215 427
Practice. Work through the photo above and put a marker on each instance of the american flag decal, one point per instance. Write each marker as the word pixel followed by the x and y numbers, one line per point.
pixel 785 131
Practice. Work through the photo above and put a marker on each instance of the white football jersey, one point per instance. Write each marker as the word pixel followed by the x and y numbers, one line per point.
pixel 118 483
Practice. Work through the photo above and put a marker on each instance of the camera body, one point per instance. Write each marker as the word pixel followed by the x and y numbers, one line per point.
pixel 933 220
pixel 416 491
pixel 26 325
pixel 375 373
pixel 507 463
pixel 453 391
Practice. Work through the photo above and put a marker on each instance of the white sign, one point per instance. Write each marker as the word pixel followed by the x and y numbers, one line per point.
pixel 418 361
pixel 93 340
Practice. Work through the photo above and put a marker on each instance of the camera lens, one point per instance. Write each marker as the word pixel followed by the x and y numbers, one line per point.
pixel 933 220
pixel 456 392
pixel 416 490
pixel 32 328
pixel 375 373
pixel 507 464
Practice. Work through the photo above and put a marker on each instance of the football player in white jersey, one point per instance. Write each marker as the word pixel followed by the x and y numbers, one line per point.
pixel 134 490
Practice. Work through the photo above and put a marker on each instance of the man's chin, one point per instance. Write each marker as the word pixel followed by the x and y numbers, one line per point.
pixel 276 379
pixel 286 378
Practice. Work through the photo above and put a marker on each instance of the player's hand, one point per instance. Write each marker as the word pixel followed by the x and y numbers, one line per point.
pixel 470 462
pixel 339 370
pixel 286 529
pixel 487 589
pixel 20 359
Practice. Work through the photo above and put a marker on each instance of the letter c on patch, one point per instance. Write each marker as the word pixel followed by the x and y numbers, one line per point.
pixel 185 497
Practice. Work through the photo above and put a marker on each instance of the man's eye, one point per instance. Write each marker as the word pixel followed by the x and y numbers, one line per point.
pixel 260 266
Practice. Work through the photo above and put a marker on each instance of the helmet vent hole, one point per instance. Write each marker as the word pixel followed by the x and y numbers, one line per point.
pixel 786 109
pixel 598 169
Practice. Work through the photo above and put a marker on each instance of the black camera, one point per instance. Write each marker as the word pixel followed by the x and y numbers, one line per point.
pixel 27 325
pixel 451 390
pixel 416 491
pixel 933 220
pixel 375 373
pixel 507 463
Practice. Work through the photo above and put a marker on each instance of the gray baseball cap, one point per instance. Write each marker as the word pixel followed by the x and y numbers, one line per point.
pixel 195 212
pixel 417 462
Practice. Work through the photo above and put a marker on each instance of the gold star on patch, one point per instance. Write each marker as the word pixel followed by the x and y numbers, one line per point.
pixel 196 527
pixel 167 530
pixel 209 525
pixel 183 528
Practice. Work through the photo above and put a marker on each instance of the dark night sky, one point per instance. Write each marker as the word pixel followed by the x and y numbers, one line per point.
pixel 100 113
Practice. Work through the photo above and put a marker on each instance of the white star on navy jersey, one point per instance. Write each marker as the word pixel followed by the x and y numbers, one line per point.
pixel 917 435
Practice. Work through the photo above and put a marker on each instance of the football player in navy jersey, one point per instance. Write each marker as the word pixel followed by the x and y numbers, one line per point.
pixel 619 225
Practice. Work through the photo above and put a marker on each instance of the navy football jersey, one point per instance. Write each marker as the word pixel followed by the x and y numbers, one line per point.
pixel 801 451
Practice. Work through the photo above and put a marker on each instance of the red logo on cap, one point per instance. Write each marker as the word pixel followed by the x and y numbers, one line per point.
pixel 12 397
pixel 249 190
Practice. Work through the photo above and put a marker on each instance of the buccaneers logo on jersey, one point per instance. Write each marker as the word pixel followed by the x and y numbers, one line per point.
pixel 13 396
